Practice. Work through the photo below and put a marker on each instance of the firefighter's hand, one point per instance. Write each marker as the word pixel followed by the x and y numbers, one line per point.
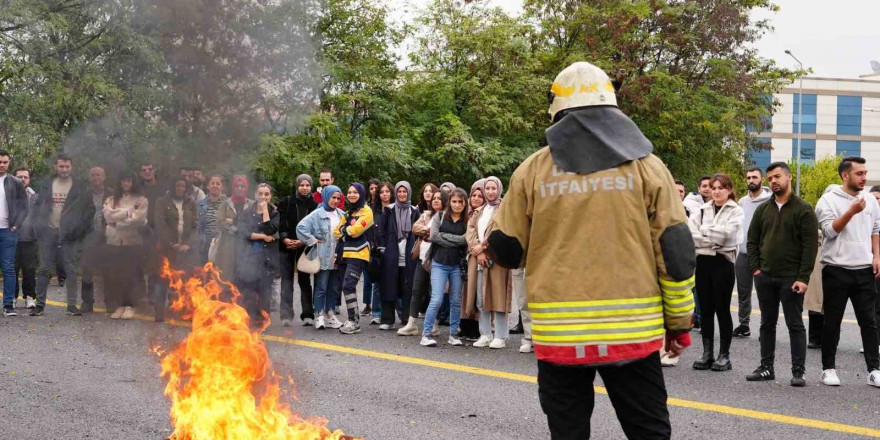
pixel 676 342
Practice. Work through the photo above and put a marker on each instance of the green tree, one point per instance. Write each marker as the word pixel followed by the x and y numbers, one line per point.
pixel 816 177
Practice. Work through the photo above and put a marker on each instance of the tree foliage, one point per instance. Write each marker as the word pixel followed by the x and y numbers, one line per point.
pixel 290 86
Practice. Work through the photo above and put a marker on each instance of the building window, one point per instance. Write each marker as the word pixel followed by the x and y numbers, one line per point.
pixel 849 148
pixel 849 115
pixel 809 114
pixel 759 152
pixel 808 150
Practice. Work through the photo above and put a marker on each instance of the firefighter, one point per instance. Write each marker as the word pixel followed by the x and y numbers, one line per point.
pixel 596 220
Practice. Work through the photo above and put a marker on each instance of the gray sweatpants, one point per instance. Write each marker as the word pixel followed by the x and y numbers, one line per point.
pixel 743 288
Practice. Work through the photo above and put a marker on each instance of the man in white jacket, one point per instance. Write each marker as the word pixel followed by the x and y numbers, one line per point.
pixel 757 195
pixel 694 201
pixel 850 222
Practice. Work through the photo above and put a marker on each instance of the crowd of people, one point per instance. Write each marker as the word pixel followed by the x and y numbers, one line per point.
pixel 419 256
pixel 794 255
pixel 425 263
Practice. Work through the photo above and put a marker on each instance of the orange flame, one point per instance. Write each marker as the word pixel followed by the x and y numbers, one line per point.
pixel 220 379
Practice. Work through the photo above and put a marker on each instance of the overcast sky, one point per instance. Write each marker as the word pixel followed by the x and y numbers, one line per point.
pixel 835 38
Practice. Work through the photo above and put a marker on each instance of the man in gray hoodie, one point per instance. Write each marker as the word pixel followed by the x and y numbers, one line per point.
pixel 757 195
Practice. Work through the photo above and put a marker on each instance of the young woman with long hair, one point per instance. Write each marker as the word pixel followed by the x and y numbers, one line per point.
pixel 257 257
pixel 715 228
pixel 317 230
pixel 125 213
pixel 449 246
pixel 426 196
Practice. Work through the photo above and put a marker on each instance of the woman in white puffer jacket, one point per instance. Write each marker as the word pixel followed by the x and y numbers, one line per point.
pixel 716 228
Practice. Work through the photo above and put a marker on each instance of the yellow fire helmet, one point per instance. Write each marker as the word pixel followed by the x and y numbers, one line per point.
pixel 580 85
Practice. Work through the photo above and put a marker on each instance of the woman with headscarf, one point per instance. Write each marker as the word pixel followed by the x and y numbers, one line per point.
pixel 176 218
pixel 257 254
pixel 489 285
pixel 447 187
pixel 358 220
pixel 125 213
pixel 396 239
pixel 209 226
pixel 292 210
pixel 226 217
pixel 317 230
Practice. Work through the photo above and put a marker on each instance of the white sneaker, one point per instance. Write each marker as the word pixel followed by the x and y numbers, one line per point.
pixel 498 343
pixel 874 378
pixel 454 341
pixel 386 327
pixel 427 342
pixel 668 360
pixel 829 377
pixel 526 346
pixel 128 313
pixel 483 342
pixel 117 313
pixel 332 322
pixel 308 321
pixel 31 303
pixel 285 322
pixel 319 323
pixel 375 321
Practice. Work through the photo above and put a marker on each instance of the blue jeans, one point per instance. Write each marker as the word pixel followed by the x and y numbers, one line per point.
pixel 442 274
pixel 8 241
pixel 326 291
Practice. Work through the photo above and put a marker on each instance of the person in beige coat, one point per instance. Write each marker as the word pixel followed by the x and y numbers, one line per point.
pixel 125 213
pixel 813 303
pixel 488 286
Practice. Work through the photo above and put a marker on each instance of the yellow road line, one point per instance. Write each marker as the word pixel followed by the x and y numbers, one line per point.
pixel 701 406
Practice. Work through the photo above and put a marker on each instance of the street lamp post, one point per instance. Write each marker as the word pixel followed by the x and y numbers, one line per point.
pixel 800 124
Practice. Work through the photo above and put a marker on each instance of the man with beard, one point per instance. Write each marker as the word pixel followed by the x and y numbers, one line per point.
pixel 782 244
pixel 757 195
pixel 65 213
pixel 850 224
pixel 291 210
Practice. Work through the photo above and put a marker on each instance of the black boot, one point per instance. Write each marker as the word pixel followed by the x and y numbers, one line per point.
pixel 723 362
pixel 708 355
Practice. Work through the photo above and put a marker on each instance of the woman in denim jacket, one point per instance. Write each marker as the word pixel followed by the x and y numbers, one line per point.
pixel 316 230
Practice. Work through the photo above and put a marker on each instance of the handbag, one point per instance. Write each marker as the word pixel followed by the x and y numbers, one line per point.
pixel 307 263
pixel 374 267
pixel 426 263
pixel 416 250
pixel 213 249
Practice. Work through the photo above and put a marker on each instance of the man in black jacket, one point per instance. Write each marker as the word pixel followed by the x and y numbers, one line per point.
pixel 26 252
pixel 13 210
pixel 64 216
pixel 292 209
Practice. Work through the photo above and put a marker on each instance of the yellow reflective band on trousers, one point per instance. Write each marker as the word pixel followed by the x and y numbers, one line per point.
pixel 597 322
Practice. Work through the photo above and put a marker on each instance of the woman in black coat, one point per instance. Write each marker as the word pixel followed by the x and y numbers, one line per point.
pixel 256 259
pixel 397 240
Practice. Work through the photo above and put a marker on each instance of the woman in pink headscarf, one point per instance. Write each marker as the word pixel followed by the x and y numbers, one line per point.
pixel 227 216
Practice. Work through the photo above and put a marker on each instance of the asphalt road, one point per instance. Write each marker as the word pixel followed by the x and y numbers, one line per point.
pixel 88 377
